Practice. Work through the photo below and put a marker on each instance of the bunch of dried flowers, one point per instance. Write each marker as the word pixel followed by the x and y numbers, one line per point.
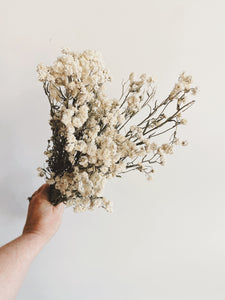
pixel 93 137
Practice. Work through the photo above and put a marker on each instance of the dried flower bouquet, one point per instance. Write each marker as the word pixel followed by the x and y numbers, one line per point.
pixel 93 137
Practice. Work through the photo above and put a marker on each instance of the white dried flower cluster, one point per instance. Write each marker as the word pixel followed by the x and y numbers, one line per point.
pixel 92 140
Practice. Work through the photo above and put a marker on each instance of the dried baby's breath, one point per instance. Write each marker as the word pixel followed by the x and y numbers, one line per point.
pixel 93 138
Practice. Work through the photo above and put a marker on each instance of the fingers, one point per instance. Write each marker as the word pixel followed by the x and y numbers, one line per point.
pixel 43 191
pixel 43 194
pixel 44 188
pixel 37 191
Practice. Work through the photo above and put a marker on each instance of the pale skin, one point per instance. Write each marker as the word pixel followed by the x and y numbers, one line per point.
pixel 43 220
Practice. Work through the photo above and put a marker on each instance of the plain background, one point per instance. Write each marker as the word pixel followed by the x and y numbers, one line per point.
pixel 166 238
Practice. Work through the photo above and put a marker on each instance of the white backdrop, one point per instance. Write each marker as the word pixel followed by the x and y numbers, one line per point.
pixel 166 238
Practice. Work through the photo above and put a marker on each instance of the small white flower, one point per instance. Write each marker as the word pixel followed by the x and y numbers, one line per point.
pixel 183 121
pixel 50 181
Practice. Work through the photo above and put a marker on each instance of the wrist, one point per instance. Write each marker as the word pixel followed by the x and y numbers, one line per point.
pixel 36 238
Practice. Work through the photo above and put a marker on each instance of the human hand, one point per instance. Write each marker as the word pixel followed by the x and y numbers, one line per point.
pixel 43 219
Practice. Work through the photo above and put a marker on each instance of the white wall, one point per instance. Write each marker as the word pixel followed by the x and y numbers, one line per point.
pixel 166 238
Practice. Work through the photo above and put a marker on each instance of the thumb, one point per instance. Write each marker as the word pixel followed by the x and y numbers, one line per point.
pixel 44 192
